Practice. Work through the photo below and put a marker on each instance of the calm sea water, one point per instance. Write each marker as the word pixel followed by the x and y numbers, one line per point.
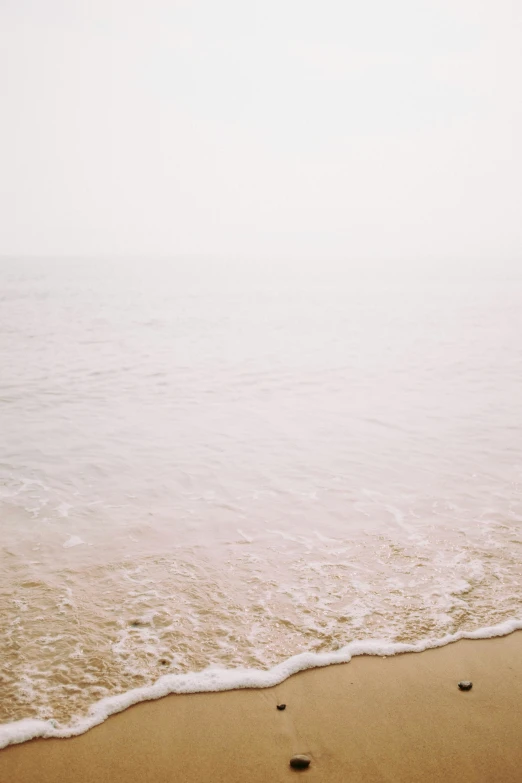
pixel 229 463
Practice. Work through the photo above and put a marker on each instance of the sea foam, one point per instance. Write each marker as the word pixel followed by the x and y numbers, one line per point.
pixel 214 679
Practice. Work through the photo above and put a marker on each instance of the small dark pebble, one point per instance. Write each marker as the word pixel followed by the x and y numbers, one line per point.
pixel 281 706
pixel 465 685
pixel 300 762
pixel 163 661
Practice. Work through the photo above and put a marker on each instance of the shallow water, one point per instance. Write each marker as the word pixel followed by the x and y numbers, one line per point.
pixel 232 464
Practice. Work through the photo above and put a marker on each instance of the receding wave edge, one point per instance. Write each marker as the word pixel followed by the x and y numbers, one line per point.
pixel 215 679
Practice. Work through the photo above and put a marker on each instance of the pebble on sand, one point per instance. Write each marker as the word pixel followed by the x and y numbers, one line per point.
pixel 300 761
pixel 465 685
pixel 281 706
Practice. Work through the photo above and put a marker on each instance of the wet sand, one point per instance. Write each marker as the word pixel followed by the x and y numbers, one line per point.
pixel 396 719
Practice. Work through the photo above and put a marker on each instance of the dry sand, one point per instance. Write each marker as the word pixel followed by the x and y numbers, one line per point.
pixel 396 719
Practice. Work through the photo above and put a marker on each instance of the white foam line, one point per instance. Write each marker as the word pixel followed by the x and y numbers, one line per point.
pixel 215 679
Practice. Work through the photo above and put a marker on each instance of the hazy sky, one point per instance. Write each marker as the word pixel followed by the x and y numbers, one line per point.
pixel 332 128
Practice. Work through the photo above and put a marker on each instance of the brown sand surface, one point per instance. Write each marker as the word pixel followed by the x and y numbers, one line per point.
pixel 396 719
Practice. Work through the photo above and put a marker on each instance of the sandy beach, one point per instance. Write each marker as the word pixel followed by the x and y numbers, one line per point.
pixel 400 719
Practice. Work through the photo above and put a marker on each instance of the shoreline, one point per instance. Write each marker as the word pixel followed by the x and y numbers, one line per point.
pixel 400 718
pixel 216 680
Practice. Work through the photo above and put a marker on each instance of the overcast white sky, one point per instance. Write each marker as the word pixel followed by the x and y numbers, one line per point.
pixel 299 128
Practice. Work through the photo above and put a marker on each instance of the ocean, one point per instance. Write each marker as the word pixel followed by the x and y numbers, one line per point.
pixel 216 473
